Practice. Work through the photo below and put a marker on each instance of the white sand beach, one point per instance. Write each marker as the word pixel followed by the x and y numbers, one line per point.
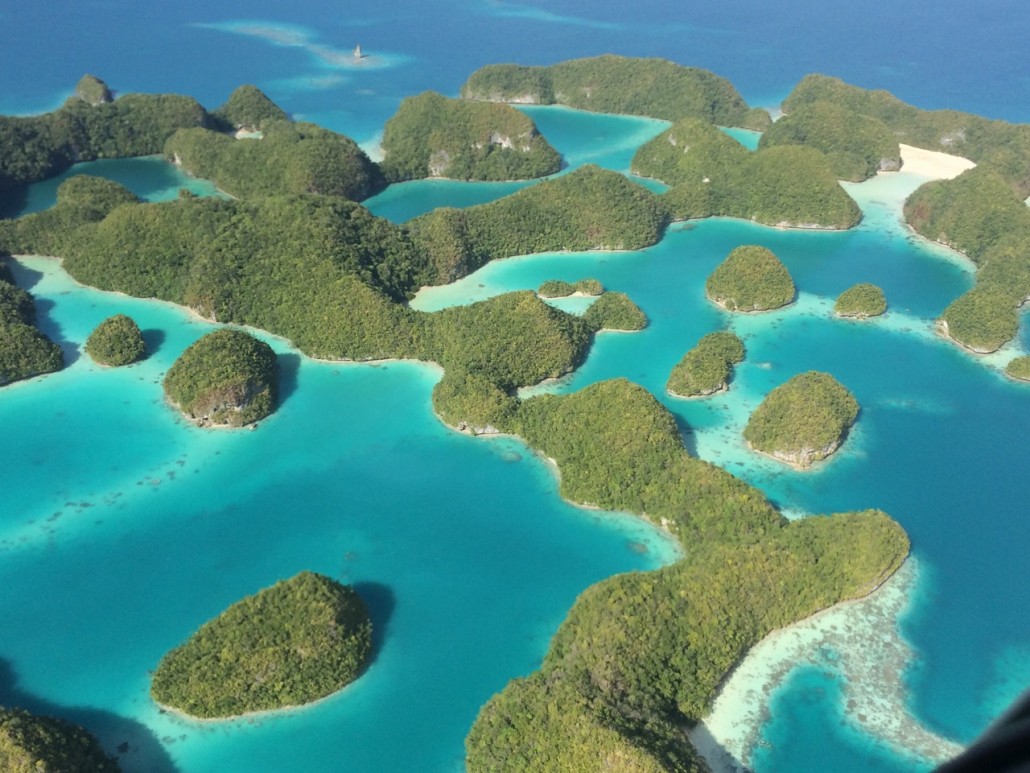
pixel 933 164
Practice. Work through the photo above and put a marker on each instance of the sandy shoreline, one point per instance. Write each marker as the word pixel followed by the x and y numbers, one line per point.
pixel 932 164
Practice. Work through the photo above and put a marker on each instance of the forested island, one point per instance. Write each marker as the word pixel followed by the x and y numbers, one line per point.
pixel 641 655
pixel 557 288
pixel 860 301
pixel 433 136
pixel 751 278
pixel 228 378
pixel 707 368
pixel 291 644
pixel 35 744
pixel 116 341
pixel 804 420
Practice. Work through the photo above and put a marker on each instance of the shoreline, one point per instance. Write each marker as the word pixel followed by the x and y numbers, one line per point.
pixel 871 655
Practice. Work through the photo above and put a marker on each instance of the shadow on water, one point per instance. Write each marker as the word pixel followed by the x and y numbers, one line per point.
pixel 686 434
pixel 381 602
pixel 135 746
pixel 152 340
pixel 717 756
pixel 13 201
pixel 53 331
pixel 25 277
pixel 289 367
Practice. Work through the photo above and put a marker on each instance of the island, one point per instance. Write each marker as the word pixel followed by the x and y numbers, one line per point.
pixel 750 279
pixel 711 174
pixel 24 350
pixel 860 301
pixel 433 136
pixel 857 146
pixel 293 643
pixel 1019 368
pixel 615 311
pixel 802 421
pixel 116 341
pixel 708 367
pixel 227 378
pixel 557 288
pixel 656 88
pixel 30 743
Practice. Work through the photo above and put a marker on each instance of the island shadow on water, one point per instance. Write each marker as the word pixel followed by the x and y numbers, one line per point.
pixel 381 602
pixel 133 744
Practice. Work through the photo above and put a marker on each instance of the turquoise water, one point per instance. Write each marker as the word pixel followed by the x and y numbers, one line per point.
pixel 122 529
pixel 148 177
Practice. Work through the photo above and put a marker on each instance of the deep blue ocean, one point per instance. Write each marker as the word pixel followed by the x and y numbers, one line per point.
pixel 122 529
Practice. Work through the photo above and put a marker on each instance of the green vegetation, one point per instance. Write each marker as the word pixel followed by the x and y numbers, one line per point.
pixel 860 301
pixel 116 341
pixel 291 644
pixel 857 146
pixel 93 91
pixel 248 108
pixel 227 377
pixel 751 278
pixel 615 311
pixel 642 654
pixel 557 288
pixel 589 209
pixel 708 367
pixel 85 129
pixel 1001 146
pixel 803 420
pixel 35 744
pixel 614 84
pixel 24 351
pixel 713 175
pixel 433 136
pixel 981 212
pixel 1019 368
pixel 288 158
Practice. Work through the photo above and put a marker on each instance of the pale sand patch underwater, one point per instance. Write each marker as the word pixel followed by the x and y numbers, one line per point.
pixel 872 657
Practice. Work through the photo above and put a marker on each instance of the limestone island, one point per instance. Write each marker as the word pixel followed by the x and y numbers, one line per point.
pixel 803 420
pixel 615 311
pixel 861 301
pixel 751 279
pixel 708 367
pixel 116 341
pixel 557 288
pixel 35 744
pixel 711 174
pixel 288 645
pixel 1019 368
pixel 226 378
pixel 433 136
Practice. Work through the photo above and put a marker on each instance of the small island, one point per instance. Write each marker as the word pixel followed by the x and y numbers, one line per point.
pixel 557 288
pixel 615 311
pixel 708 367
pixel 802 421
pixel 433 136
pixel 291 644
pixel 35 744
pixel 227 378
pixel 116 341
pixel 861 301
pixel 1019 368
pixel 751 279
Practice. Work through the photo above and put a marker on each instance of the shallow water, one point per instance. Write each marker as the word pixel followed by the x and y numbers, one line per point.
pixel 122 529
